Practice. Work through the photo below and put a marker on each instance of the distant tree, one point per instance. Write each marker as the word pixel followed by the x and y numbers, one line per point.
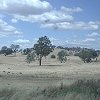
pixel 15 48
pixel 88 55
pixel 60 47
pixel 6 51
pixel 43 47
pixel 20 50
pixel 26 51
pixel 53 46
pixel 62 56
pixel 85 56
pixel 98 52
pixel 4 48
pixel 94 54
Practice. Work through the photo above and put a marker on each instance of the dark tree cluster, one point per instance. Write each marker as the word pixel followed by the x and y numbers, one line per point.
pixel 88 55
pixel 12 49
pixel 6 51
pixel 27 51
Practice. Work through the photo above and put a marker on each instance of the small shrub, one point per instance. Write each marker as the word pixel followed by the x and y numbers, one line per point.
pixel 30 57
pixel 62 56
pixel 76 54
pixel 53 56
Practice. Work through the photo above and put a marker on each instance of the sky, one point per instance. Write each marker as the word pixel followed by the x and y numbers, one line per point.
pixel 66 22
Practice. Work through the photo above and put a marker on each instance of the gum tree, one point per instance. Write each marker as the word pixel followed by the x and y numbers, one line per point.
pixel 43 47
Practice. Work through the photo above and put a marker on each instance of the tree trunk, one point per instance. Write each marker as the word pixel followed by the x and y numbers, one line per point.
pixel 96 59
pixel 40 62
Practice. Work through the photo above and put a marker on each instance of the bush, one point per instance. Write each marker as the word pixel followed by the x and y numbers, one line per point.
pixel 30 57
pixel 76 54
pixel 62 56
pixel 53 56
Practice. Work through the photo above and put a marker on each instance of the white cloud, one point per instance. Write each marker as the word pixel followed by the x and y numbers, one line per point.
pixel 59 19
pixel 1 35
pixel 24 7
pixel 76 43
pixel 89 40
pixel 71 10
pixel 22 41
pixel 43 13
pixel 53 39
pixel 53 16
pixel 72 26
pixel 14 20
pixel 70 43
pixel 94 34
pixel 6 29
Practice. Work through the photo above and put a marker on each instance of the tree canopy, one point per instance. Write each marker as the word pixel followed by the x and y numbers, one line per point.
pixel 62 56
pixel 43 47
pixel 88 55
pixel 6 51
pixel 14 47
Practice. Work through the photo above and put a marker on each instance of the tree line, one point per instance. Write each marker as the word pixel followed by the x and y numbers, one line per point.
pixel 43 48
pixel 9 50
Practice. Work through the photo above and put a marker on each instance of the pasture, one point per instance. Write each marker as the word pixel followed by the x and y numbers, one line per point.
pixel 16 74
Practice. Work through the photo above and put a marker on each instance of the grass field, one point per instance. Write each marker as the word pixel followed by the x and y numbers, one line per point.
pixel 22 81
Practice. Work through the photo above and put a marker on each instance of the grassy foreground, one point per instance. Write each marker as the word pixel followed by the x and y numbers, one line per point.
pixel 80 90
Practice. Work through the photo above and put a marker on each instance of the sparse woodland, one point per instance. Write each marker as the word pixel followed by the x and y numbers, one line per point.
pixel 48 72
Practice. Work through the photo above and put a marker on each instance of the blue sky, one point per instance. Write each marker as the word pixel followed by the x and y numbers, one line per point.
pixel 65 22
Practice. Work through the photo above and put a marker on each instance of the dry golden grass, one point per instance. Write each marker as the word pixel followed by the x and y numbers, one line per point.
pixel 15 72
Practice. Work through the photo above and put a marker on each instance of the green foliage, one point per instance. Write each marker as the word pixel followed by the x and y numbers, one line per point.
pixel 4 48
pixel 62 56
pixel 26 51
pixel 43 47
pixel 30 57
pixel 88 55
pixel 53 56
pixel 6 51
pixel 98 52
pixel 15 47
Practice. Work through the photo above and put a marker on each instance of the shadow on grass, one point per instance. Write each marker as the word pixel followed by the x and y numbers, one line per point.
pixel 46 65
pixel 51 65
